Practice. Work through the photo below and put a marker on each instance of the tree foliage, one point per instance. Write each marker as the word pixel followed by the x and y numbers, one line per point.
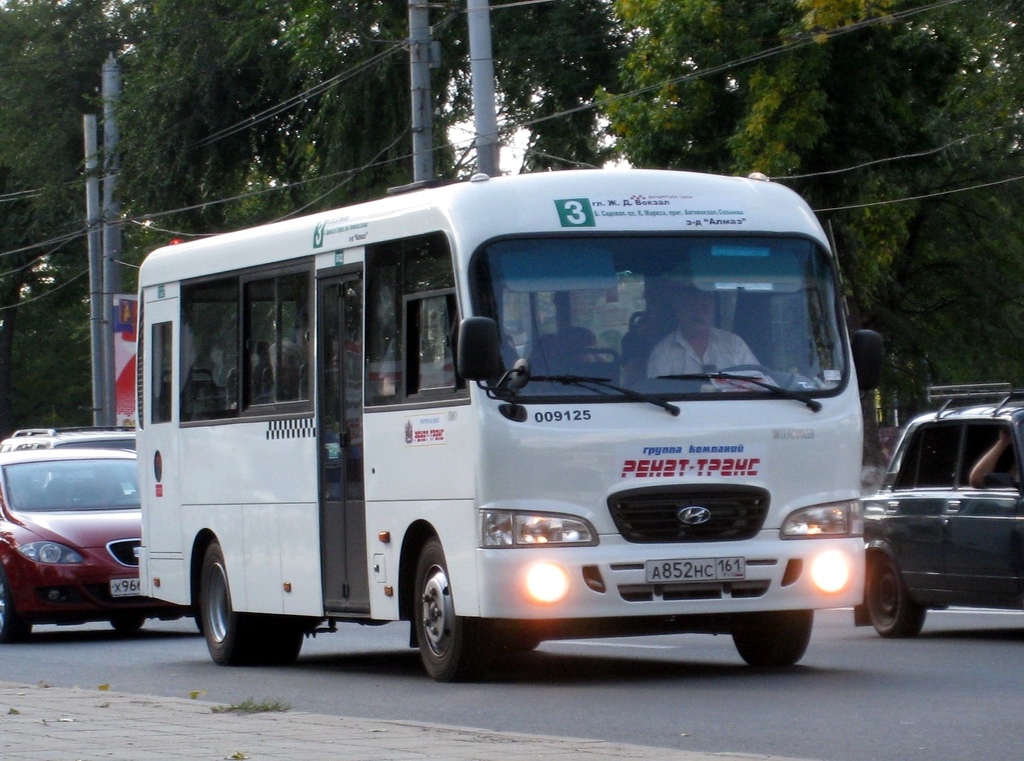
pixel 235 113
pixel 899 120
pixel 50 58
pixel 892 118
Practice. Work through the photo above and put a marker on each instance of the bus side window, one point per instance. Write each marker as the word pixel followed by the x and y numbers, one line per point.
pixel 160 412
pixel 209 348
pixel 430 327
pixel 410 320
pixel 277 339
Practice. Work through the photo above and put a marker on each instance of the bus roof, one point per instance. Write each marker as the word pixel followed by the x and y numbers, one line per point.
pixel 591 201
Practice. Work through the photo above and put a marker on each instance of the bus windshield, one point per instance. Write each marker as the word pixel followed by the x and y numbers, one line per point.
pixel 673 316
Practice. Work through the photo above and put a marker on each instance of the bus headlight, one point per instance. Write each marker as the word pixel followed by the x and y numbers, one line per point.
pixel 507 528
pixel 830 571
pixel 547 583
pixel 832 519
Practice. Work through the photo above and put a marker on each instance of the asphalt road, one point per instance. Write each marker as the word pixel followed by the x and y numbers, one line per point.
pixel 952 694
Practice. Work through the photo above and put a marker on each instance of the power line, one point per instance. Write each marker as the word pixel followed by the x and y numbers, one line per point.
pixel 296 100
pixel 48 293
pixel 61 241
pixel 326 84
pixel 924 196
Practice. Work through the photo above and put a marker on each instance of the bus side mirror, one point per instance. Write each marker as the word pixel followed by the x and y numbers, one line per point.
pixel 479 349
pixel 867 358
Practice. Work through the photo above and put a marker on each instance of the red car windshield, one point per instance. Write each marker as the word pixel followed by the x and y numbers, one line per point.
pixel 72 485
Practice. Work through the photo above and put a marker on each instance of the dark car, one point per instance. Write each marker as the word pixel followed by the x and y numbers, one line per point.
pixel 70 527
pixel 947 525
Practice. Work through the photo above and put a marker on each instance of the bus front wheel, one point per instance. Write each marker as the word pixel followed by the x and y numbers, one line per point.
pixel 775 638
pixel 452 647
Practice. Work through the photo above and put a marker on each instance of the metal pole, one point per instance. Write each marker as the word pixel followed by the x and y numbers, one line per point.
pixel 419 69
pixel 111 91
pixel 95 240
pixel 482 71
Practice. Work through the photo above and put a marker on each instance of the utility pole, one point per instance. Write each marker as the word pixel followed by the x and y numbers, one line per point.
pixel 94 225
pixel 111 92
pixel 482 70
pixel 419 69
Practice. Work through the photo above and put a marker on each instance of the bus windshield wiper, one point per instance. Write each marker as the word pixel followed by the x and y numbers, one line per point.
pixel 585 381
pixel 786 393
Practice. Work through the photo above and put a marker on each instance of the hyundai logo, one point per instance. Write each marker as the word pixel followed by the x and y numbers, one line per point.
pixel 694 515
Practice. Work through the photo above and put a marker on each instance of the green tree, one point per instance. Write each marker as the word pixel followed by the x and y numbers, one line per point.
pixel 51 56
pixel 550 60
pixel 236 113
pixel 881 113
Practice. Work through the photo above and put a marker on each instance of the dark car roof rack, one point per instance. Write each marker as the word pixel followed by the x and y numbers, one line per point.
pixel 974 393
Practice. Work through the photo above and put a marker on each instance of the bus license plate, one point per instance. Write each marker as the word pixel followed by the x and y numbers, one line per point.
pixel 696 569
pixel 125 587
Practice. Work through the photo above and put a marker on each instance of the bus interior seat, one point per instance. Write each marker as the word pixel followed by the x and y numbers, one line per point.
pixel 574 352
pixel 646 328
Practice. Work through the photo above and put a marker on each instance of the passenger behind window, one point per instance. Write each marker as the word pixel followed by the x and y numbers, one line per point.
pixel 997 466
pixel 261 379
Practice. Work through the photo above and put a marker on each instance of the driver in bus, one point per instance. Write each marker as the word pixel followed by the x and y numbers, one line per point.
pixel 697 346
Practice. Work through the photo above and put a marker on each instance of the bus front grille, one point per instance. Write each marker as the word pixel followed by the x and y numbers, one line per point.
pixel 705 514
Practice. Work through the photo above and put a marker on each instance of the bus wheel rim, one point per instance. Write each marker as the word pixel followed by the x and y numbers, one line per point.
pixel 437 611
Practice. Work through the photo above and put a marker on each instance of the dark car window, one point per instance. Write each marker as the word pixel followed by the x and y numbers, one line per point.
pixel 72 485
pixel 979 439
pixel 931 459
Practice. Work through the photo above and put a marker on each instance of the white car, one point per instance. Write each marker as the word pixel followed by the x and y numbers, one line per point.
pixel 88 437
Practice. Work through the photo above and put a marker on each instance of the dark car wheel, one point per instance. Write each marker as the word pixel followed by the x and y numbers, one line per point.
pixel 892 612
pixel 13 628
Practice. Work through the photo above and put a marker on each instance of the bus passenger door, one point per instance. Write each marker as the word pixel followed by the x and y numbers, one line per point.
pixel 340 431
pixel 157 444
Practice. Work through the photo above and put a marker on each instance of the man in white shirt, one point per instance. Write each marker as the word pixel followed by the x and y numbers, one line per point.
pixel 697 346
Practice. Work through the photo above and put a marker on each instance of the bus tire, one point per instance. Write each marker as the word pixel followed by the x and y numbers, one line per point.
pixel 126 623
pixel 13 628
pixel 230 636
pixel 892 612
pixel 280 642
pixel 452 648
pixel 774 639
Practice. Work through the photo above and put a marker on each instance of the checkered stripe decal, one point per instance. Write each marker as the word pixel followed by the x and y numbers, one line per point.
pixel 292 428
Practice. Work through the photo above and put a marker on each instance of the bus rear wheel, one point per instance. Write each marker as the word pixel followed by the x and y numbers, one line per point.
pixel 13 628
pixel 241 639
pixel 774 639
pixel 453 648
pixel 126 623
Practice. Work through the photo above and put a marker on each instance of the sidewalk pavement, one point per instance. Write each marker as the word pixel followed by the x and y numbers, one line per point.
pixel 41 723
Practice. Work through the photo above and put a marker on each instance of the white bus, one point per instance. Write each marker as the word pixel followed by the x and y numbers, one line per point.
pixel 440 407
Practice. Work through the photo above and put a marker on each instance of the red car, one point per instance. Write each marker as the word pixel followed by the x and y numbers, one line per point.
pixel 70 528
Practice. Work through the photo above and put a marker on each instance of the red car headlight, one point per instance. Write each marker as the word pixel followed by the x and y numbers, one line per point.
pixel 50 552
